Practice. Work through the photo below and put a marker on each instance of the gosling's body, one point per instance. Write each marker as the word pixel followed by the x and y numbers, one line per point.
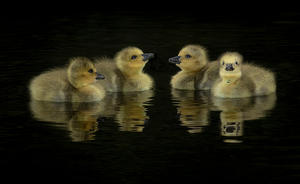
pixel 184 80
pixel 239 80
pixel 68 84
pixel 125 73
pixel 114 79
pixel 263 79
pixel 206 77
pixel 244 87
pixel 197 73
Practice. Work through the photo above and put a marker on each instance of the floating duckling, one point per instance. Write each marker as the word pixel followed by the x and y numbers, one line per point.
pixel 72 84
pixel 125 71
pixel 197 73
pixel 238 80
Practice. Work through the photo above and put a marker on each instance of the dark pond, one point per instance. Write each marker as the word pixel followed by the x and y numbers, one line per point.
pixel 157 136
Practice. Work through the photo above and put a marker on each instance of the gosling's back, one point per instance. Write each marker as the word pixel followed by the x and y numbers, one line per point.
pixel 263 79
pixel 52 85
pixel 114 79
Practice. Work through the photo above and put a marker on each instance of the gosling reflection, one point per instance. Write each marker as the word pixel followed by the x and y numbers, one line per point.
pixel 192 109
pixel 84 119
pixel 235 111
pixel 81 119
pixel 82 127
pixel 232 123
pixel 132 114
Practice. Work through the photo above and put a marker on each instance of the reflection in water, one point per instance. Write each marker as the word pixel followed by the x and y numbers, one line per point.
pixel 84 119
pixel 235 111
pixel 194 107
pixel 132 113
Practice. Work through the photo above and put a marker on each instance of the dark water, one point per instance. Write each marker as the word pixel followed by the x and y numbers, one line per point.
pixel 160 136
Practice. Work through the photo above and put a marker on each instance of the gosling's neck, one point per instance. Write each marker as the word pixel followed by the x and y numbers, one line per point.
pixel 77 85
pixel 229 79
pixel 192 69
pixel 131 71
pixel 75 82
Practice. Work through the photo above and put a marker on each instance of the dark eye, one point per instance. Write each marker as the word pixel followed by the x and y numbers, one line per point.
pixel 188 56
pixel 223 63
pixel 236 63
pixel 133 57
pixel 91 71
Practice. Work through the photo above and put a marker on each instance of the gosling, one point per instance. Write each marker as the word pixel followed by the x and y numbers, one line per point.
pixel 75 83
pixel 238 80
pixel 197 73
pixel 125 73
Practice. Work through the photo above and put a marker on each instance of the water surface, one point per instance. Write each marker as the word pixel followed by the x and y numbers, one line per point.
pixel 161 135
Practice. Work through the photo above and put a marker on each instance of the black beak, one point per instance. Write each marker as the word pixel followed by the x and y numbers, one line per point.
pixel 175 60
pixel 99 76
pixel 147 56
pixel 229 67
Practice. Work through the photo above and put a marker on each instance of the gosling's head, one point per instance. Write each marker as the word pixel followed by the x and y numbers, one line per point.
pixel 191 58
pixel 132 60
pixel 82 71
pixel 230 65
